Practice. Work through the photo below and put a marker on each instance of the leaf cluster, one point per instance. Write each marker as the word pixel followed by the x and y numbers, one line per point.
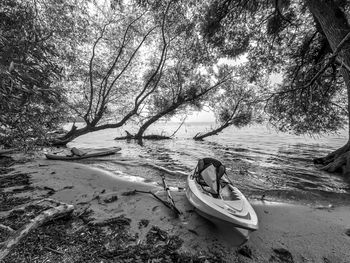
pixel 235 103
pixel 312 110
pixel 30 104
pixel 285 38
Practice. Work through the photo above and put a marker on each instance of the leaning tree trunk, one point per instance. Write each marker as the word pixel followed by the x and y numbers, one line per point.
pixel 199 136
pixel 336 28
pixel 91 127
pixel 153 119
pixel 70 136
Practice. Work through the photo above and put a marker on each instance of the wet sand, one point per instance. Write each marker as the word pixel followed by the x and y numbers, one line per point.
pixel 287 233
pixel 309 233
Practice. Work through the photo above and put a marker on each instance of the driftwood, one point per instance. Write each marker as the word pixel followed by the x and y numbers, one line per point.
pixel 50 214
pixel 17 208
pixel 33 203
pixel 129 136
pixel 169 197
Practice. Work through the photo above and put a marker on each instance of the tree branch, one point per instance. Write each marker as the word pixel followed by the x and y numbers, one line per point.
pixel 90 73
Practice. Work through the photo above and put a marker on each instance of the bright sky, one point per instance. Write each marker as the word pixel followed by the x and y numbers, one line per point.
pixel 198 116
pixel 202 116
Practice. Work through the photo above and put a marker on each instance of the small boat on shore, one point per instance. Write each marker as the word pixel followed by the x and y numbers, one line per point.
pixel 229 208
pixel 7 151
pixel 84 156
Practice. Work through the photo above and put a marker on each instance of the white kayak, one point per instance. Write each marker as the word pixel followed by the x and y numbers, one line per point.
pixel 230 207
pixel 87 155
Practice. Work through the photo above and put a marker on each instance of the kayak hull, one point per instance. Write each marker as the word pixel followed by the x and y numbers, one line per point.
pixel 88 155
pixel 236 211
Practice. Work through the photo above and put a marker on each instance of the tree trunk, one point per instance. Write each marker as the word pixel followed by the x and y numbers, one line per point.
pixel 335 26
pixel 71 135
pixel 199 136
pixel 153 119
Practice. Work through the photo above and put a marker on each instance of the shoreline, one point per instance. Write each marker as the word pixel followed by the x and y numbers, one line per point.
pixel 301 233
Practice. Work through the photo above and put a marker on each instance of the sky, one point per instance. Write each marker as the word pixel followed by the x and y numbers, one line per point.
pixel 202 116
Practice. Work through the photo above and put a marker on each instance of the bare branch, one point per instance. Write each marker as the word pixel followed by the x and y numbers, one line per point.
pixel 183 121
pixel 331 59
pixel 139 99
pixel 109 72
pixel 90 71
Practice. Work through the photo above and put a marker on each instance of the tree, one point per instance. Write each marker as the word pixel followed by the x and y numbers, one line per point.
pixel 164 28
pixel 30 101
pixel 304 41
pixel 182 85
pixel 335 26
pixel 182 93
pixel 112 84
pixel 233 105
pixel 188 78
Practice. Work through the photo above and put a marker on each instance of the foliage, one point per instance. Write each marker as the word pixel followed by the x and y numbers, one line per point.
pixel 285 38
pixel 303 113
pixel 186 79
pixel 30 101
pixel 236 102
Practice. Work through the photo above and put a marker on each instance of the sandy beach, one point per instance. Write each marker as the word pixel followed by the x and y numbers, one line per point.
pixel 287 232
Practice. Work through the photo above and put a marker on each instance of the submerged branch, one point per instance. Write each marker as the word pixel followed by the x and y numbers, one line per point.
pixel 183 121
pixel 129 136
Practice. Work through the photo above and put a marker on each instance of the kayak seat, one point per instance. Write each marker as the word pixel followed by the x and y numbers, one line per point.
pixel 205 187
pixel 76 152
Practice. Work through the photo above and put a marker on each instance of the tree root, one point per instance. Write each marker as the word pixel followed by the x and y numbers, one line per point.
pixel 53 213
pixel 339 164
pixel 337 161
pixel 331 157
pixel 336 165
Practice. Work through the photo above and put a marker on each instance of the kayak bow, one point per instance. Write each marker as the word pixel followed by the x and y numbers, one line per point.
pixel 231 207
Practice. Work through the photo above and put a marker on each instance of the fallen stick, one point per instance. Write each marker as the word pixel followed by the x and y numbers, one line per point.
pixel 169 197
pixel 24 206
pixel 46 216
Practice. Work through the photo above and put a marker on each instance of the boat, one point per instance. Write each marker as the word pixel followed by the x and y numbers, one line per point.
pixel 7 151
pixel 87 155
pixel 229 208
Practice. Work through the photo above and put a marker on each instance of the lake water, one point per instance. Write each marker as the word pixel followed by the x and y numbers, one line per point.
pixel 259 160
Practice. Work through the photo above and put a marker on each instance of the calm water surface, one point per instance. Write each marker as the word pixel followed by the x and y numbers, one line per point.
pixel 258 159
